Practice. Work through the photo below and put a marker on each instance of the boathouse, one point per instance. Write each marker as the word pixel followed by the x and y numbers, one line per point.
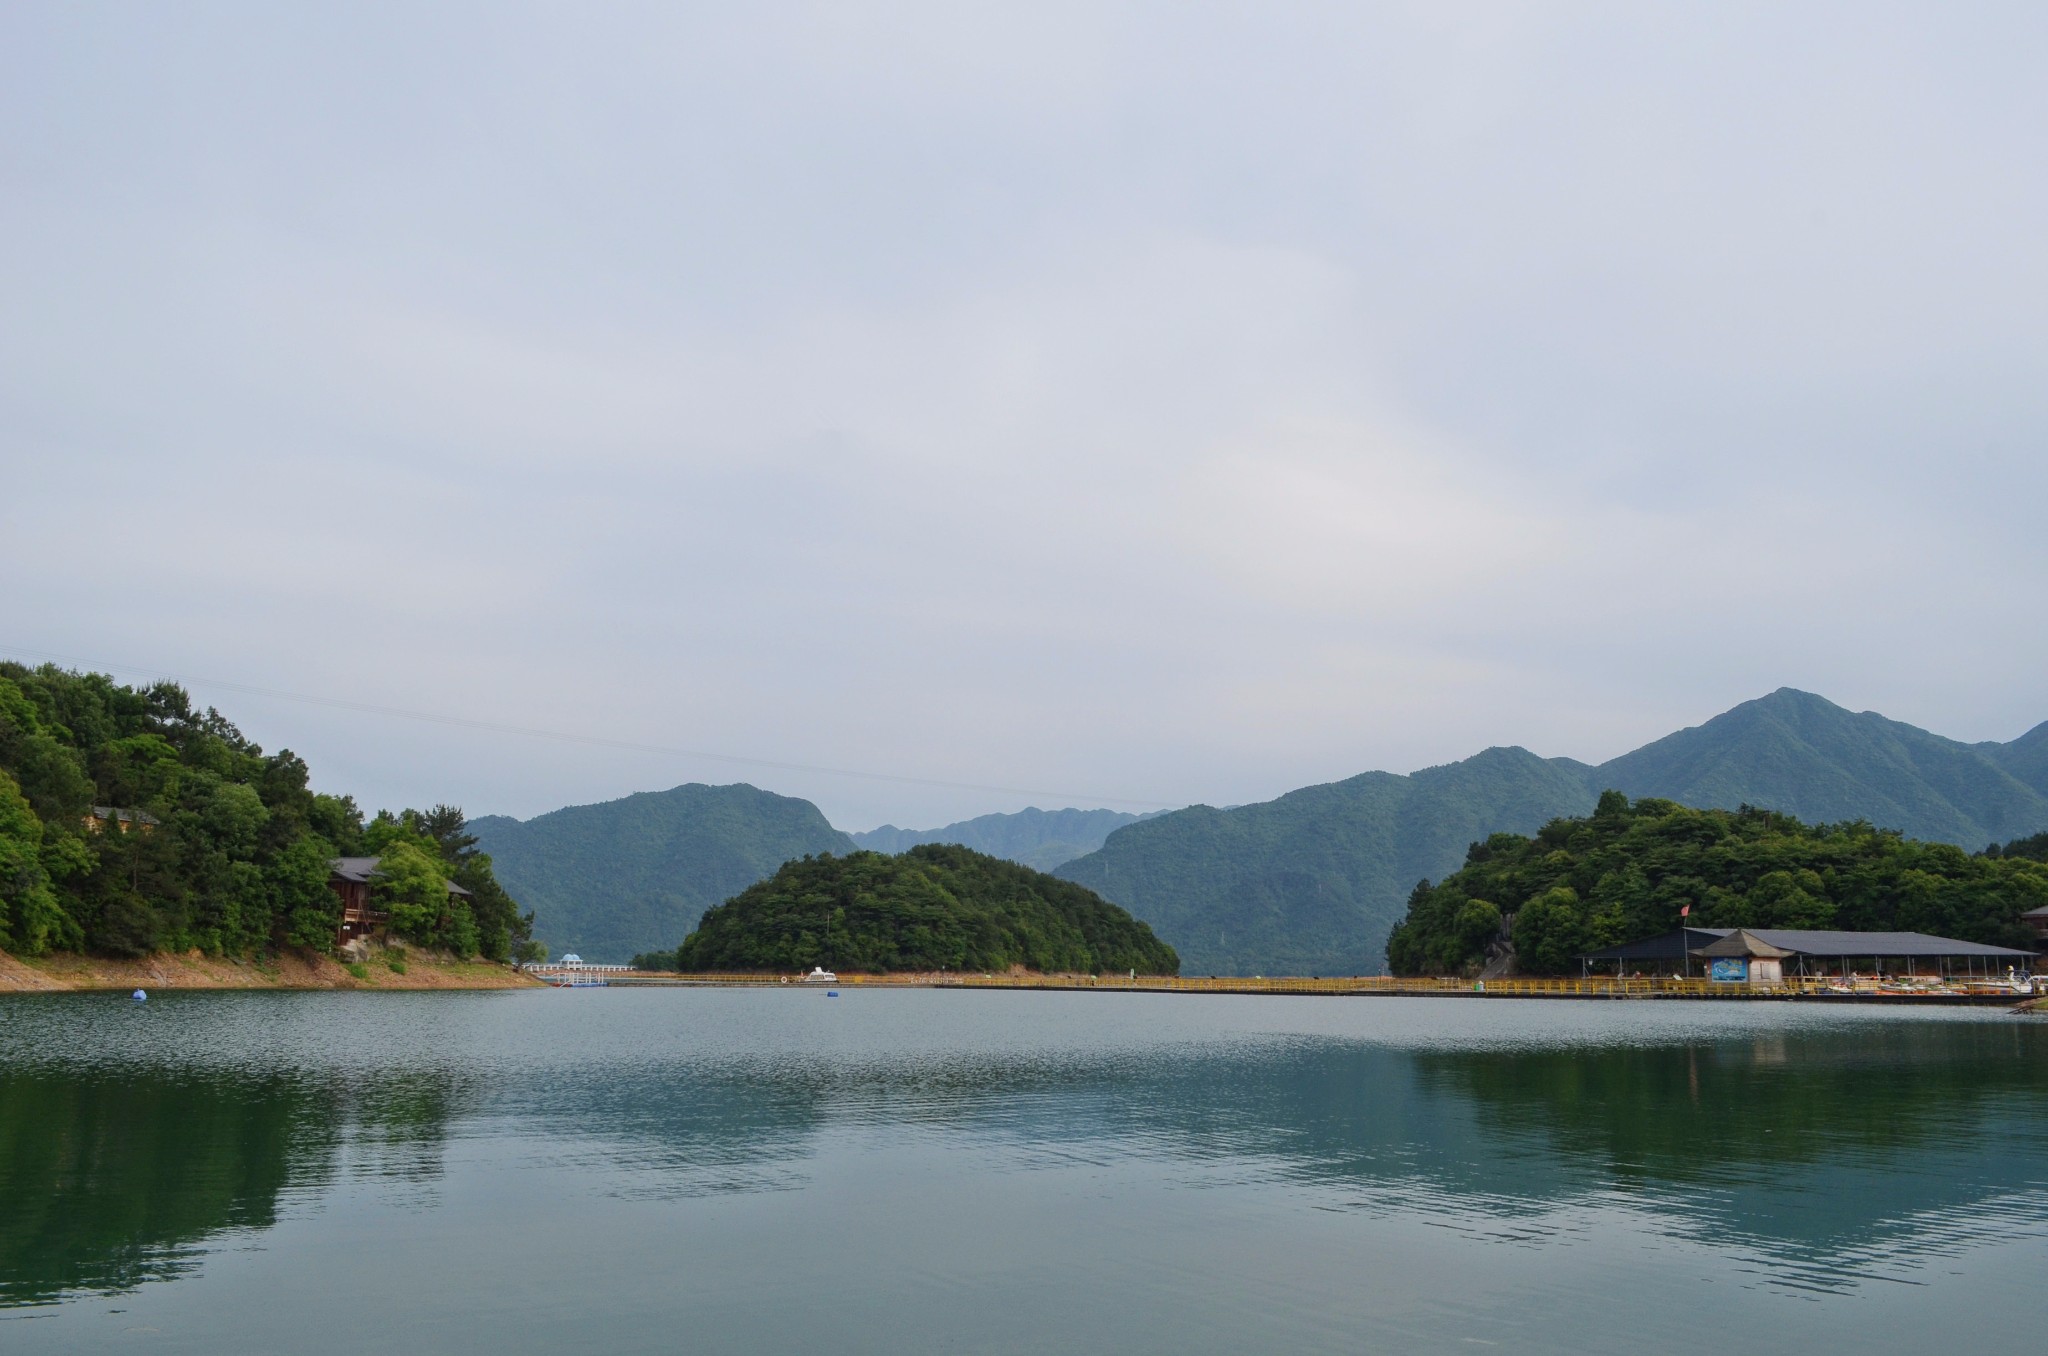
pixel 352 878
pixel 1749 953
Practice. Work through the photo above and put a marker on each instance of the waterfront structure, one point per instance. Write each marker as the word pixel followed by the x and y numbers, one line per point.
pixel 2037 919
pixel 352 878
pixel 1743 956
pixel 1801 951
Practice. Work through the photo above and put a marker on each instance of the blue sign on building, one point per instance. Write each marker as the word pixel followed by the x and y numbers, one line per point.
pixel 1733 968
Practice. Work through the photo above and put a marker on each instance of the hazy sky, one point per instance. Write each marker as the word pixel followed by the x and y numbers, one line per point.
pixel 1166 402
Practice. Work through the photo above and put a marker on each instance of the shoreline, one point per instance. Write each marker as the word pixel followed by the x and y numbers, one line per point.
pixel 1599 990
pixel 70 972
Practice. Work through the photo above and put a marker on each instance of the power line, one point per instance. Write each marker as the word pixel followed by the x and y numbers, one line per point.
pixel 565 736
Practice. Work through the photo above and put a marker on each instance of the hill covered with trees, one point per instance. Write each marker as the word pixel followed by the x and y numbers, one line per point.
pixel 631 875
pixel 130 822
pixel 934 907
pixel 1627 869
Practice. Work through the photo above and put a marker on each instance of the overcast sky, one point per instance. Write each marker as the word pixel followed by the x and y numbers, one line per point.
pixel 1096 403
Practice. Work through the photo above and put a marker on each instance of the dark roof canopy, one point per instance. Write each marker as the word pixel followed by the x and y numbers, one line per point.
pixel 1743 942
pixel 1808 942
pixel 354 868
pixel 1669 946
pixel 364 869
pixel 121 816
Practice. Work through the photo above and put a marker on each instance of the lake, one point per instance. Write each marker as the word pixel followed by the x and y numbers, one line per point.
pixel 727 1170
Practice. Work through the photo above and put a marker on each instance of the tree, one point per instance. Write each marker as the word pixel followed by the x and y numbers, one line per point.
pixel 31 920
pixel 304 905
pixel 411 887
pixel 1549 936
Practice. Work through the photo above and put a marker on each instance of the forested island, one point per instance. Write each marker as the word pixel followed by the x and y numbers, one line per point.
pixel 1626 871
pixel 935 907
pixel 132 823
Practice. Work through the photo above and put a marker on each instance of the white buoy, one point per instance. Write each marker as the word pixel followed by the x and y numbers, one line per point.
pixel 141 997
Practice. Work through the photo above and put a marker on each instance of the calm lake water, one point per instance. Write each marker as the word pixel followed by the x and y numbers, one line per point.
pixel 724 1170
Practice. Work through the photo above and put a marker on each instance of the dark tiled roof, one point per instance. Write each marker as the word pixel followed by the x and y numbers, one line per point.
pixel 1743 942
pixel 1847 944
pixel 124 816
pixel 365 869
pixel 1810 942
pixel 354 868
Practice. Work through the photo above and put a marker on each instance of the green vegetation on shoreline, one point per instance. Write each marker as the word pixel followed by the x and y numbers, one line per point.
pixel 935 907
pixel 132 823
pixel 1627 869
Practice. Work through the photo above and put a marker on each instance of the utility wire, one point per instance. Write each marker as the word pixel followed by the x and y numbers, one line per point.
pixel 567 737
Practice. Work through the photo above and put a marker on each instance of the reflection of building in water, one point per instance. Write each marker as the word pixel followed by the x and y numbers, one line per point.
pixel 1772 955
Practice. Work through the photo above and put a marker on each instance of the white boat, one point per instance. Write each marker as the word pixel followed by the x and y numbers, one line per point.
pixel 820 975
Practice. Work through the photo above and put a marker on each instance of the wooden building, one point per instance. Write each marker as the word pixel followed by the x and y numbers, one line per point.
pixel 100 816
pixel 1801 951
pixel 354 879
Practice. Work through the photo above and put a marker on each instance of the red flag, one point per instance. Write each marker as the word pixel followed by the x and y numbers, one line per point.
pixel 1685 912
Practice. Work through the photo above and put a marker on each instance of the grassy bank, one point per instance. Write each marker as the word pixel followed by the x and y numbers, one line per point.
pixel 394 969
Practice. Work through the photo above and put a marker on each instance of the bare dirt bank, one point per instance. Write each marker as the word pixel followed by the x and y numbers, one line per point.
pixel 408 969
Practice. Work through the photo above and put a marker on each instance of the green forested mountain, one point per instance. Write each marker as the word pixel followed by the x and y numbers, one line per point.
pixel 1803 755
pixel 1626 870
pixel 1311 882
pixel 934 907
pixel 1042 839
pixel 626 876
pixel 131 822
pixel 2026 758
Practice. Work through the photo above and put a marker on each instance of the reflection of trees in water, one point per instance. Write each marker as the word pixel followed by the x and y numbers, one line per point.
pixel 1830 1153
pixel 107 1181
pixel 1825 1154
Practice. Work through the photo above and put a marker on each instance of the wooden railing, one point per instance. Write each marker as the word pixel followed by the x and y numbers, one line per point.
pixel 1595 987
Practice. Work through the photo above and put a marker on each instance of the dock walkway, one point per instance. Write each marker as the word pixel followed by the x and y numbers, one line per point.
pixel 1649 987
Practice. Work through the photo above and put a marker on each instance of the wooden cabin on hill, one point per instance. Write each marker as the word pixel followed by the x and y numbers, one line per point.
pixel 100 816
pixel 353 878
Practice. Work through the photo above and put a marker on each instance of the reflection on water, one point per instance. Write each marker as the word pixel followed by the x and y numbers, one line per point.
pixel 110 1180
pixel 1804 1154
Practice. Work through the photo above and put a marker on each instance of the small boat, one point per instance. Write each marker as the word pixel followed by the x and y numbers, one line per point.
pixel 820 975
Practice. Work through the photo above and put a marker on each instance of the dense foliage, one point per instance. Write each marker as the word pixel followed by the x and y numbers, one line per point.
pixel 934 907
pixel 213 844
pixel 634 874
pixel 2034 848
pixel 1625 871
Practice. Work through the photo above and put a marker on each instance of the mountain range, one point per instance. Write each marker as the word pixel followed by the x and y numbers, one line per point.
pixel 1040 839
pixel 1308 883
pixel 609 881
pixel 1313 881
